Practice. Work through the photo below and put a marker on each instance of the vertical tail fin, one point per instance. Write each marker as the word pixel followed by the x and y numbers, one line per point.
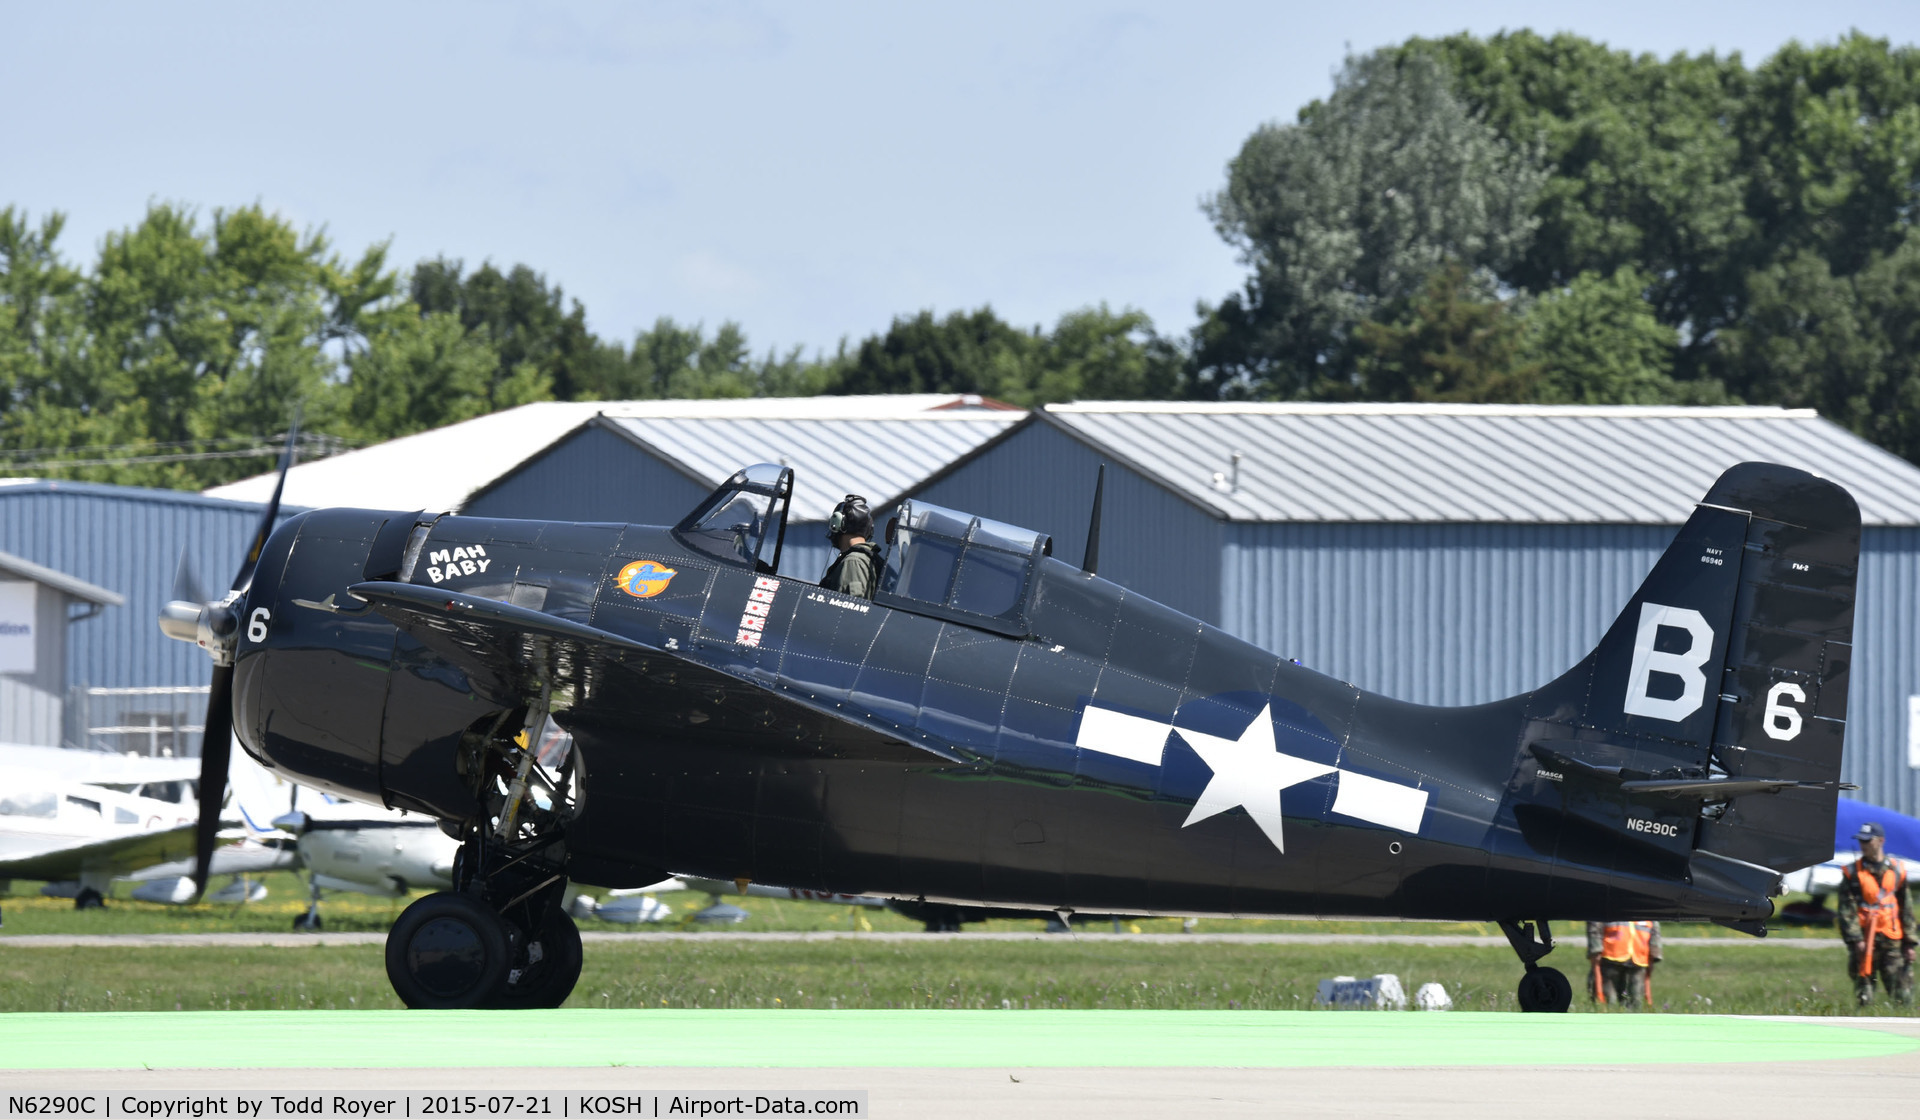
pixel 1718 699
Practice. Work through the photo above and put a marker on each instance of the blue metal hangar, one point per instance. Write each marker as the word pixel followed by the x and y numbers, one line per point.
pixel 1444 554
pixel 120 672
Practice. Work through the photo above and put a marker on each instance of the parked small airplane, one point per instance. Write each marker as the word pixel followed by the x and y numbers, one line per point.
pixel 998 728
pixel 62 829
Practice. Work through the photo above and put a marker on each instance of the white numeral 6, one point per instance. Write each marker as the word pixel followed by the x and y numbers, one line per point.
pixel 257 629
pixel 1780 720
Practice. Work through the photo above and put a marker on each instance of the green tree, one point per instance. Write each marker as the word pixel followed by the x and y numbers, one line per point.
pixel 526 321
pixel 183 337
pixel 966 352
pixel 1645 160
pixel 1351 209
pixel 1599 341
pixel 1098 354
pixel 1846 345
pixel 1831 141
pixel 1451 341
pixel 422 372
pixel 38 309
pixel 675 361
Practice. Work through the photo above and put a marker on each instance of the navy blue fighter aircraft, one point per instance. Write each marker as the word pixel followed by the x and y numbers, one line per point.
pixel 999 728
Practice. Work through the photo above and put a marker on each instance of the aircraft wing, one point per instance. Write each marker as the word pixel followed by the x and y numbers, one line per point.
pixel 116 854
pixel 505 650
pixel 229 859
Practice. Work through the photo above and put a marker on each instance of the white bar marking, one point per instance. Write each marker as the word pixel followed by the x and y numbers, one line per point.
pixel 1122 735
pixel 1380 802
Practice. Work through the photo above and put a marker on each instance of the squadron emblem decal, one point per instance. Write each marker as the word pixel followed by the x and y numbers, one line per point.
pixel 643 579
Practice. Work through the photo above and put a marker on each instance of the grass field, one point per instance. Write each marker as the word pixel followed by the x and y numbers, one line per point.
pixel 27 912
pixel 1051 973
pixel 1058 972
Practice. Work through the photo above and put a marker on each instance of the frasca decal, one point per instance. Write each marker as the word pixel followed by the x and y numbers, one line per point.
pixel 753 620
pixel 643 579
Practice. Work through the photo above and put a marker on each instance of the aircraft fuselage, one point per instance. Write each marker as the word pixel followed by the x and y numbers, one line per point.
pixel 1109 755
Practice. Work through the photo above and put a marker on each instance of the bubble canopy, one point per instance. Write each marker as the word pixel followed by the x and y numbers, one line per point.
pixel 936 561
pixel 745 518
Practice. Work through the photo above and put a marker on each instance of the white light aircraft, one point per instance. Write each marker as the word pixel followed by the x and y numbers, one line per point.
pixel 61 821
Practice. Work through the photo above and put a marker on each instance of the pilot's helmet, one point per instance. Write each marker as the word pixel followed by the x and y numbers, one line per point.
pixel 851 517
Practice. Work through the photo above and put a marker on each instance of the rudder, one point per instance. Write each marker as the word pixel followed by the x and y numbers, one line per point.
pixel 1715 706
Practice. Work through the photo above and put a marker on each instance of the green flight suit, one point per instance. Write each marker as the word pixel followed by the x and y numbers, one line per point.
pixel 856 572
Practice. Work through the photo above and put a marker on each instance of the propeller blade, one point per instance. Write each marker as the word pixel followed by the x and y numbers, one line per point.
pixel 186 588
pixel 244 578
pixel 216 750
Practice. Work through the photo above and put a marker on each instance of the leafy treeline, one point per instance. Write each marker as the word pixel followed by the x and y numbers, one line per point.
pixel 1507 219
pixel 181 354
pixel 1530 219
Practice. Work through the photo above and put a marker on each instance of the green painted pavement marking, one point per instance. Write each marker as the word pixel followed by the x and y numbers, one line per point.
pixel 587 1037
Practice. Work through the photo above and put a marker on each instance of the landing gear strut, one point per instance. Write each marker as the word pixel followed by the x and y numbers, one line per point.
pixel 501 938
pixel 309 919
pixel 1542 988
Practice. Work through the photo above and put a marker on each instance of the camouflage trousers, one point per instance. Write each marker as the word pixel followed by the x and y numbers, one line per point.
pixel 1889 967
pixel 1621 981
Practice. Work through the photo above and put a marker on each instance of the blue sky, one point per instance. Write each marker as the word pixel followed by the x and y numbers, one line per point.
pixel 809 170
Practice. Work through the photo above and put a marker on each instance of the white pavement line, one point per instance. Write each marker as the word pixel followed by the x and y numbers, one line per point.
pixel 301 940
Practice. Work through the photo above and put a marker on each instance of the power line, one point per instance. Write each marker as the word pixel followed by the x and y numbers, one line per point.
pixel 312 445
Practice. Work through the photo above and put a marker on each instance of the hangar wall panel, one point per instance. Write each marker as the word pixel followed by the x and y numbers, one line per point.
pixel 593 475
pixel 1150 539
pixel 1886 670
pixel 1434 614
pixel 129 540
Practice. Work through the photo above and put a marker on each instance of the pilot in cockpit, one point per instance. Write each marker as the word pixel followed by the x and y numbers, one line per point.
pixel 857 570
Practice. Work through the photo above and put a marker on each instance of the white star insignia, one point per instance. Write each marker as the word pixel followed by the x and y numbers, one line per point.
pixel 1248 772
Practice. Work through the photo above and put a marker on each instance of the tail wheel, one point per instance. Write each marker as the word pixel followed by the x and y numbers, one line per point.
pixel 1545 989
pixel 447 951
pixel 545 968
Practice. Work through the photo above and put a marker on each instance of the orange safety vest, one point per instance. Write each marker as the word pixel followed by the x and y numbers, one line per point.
pixel 1627 942
pixel 1879 906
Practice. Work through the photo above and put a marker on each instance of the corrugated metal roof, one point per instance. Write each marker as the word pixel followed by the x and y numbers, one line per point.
pixel 877 459
pixel 1477 463
pixel 76 588
pixel 440 469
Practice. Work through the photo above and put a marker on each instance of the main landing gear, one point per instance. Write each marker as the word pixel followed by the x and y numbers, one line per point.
pixel 1542 988
pixel 501 938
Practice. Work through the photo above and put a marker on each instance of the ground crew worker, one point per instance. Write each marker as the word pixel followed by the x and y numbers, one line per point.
pixel 1621 956
pixel 1876 919
pixel 857 571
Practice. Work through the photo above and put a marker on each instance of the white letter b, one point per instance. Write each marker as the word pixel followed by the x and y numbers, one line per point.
pixel 1648 661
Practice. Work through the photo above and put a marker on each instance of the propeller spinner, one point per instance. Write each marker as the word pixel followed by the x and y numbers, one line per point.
pixel 215 627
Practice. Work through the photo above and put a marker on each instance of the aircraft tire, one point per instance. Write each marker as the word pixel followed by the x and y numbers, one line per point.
pixel 447 951
pixel 549 981
pixel 88 899
pixel 309 919
pixel 1545 989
